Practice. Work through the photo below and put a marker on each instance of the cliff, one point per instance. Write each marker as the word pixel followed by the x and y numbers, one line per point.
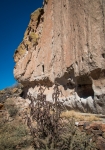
pixel 65 43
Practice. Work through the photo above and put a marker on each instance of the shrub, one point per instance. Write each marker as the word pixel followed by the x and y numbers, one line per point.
pixel 13 111
pixel 36 14
pixel 45 132
pixel 33 37
pixel 49 131
pixel 20 51
pixel 11 107
pixel 74 139
pixel 12 136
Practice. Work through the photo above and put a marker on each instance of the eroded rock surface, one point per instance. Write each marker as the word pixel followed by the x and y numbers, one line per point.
pixel 10 92
pixel 65 42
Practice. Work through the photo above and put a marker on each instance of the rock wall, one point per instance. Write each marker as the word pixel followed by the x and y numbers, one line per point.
pixel 65 43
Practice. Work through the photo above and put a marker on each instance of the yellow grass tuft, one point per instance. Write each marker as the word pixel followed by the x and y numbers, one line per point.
pixel 33 37
pixel 35 14
pixel 19 52
pixel 79 116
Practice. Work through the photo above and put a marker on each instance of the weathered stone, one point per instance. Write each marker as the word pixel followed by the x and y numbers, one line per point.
pixel 102 127
pixel 1 105
pixel 86 125
pixel 100 143
pixel 10 92
pixel 103 135
pixel 10 119
pixel 97 133
pixel 82 123
pixel 65 42
pixel 94 126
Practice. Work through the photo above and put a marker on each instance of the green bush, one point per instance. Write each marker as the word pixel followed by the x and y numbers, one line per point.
pixel 13 111
pixel 11 107
pixel 72 138
pixel 12 136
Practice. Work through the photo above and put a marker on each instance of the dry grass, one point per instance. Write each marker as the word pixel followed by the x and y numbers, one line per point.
pixel 33 37
pixel 79 116
pixel 35 14
pixel 11 107
pixel 13 135
pixel 20 51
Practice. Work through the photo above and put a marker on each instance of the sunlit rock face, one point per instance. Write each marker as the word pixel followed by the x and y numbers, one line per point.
pixel 65 42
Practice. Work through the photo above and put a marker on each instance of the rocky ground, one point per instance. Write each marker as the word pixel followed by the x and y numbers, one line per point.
pixel 97 129
pixel 14 133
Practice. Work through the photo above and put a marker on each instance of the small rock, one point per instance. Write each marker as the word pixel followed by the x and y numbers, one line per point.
pixel 97 132
pixel 102 127
pixel 94 126
pixel 76 124
pixel 10 119
pixel 86 125
pixel 100 143
pixel 82 123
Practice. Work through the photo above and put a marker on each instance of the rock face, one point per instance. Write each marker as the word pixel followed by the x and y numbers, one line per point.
pixel 65 42
pixel 10 92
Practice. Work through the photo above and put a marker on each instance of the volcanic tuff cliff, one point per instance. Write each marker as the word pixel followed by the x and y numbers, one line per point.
pixel 65 42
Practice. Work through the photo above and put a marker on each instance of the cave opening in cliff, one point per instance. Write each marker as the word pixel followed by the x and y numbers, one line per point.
pixel 103 55
pixel 84 87
pixel 43 68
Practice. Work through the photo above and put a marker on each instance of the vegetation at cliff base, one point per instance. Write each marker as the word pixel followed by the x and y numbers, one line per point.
pixel 49 130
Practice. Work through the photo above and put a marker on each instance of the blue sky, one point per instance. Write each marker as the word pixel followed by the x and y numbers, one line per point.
pixel 14 18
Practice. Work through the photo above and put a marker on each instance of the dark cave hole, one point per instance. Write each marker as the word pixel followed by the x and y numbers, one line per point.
pixel 76 63
pixel 70 86
pixel 103 55
pixel 82 59
pixel 84 87
pixel 43 68
pixel 98 96
pixel 22 94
